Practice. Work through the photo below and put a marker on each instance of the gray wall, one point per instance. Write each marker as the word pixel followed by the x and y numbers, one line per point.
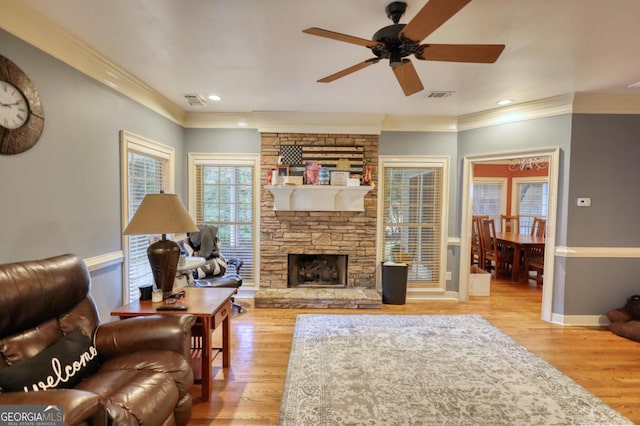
pixel 605 150
pixel 232 141
pixel 532 134
pixel 63 195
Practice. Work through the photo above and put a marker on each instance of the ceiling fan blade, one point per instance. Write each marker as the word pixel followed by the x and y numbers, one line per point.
pixel 341 37
pixel 482 53
pixel 431 16
pixel 347 71
pixel 408 78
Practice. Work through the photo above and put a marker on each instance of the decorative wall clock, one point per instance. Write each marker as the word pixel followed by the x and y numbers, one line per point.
pixel 21 113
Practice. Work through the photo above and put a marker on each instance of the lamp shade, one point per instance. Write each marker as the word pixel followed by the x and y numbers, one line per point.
pixel 160 214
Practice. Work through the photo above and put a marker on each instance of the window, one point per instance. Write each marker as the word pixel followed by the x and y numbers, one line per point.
pixel 530 199
pixel 490 198
pixel 149 168
pixel 413 220
pixel 224 192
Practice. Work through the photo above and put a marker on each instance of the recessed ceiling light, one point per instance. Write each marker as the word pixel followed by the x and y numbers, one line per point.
pixel 503 102
pixel 215 98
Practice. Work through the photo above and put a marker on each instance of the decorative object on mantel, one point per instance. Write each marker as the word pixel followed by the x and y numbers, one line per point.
pixel 366 176
pixel 311 173
pixel 324 176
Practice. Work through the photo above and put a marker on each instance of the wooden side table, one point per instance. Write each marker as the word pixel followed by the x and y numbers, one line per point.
pixel 212 307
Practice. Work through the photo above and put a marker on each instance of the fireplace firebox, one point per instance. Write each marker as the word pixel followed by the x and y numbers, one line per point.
pixel 317 270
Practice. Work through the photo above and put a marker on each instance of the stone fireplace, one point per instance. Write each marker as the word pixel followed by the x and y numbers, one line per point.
pixel 317 270
pixel 348 233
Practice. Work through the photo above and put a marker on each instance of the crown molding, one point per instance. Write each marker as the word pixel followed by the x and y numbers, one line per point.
pixel 30 26
pixel 557 105
pixel 291 122
pixel 420 123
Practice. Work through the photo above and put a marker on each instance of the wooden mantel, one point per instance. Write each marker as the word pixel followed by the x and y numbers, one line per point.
pixel 318 197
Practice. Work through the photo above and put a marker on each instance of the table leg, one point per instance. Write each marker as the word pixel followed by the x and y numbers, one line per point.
pixel 206 358
pixel 226 350
pixel 515 272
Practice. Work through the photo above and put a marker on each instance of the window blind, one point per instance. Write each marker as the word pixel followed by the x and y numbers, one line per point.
pixel 146 174
pixel 488 200
pixel 225 197
pixel 412 221
pixel 532 201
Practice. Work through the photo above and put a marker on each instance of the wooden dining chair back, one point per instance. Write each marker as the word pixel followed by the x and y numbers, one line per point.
pixel 539 227
pixel 510 224
pixel 476 242
pixel 493 256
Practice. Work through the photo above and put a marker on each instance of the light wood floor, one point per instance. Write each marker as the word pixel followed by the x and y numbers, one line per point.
pixel 249 392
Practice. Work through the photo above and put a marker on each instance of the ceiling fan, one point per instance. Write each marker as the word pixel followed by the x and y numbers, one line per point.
pixel 396 42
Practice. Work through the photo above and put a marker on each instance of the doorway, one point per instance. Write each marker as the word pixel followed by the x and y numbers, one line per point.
pixel 467 200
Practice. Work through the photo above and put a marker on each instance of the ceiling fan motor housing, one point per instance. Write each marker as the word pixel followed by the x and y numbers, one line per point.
pixel 394 47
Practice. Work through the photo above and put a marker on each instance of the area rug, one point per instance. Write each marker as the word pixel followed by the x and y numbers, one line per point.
pixel 425 370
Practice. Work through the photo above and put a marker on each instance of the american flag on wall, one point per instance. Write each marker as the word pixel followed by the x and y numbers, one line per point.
pixel 327 156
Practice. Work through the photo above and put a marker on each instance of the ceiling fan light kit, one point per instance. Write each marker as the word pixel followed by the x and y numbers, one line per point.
pixel 398 41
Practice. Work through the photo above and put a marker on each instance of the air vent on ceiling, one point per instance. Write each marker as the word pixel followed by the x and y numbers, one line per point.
pixel 195 100
pixel 439 94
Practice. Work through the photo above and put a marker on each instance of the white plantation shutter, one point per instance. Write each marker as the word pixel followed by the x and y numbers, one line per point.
pixel 225 194
pixel 148 171
pixel 413 203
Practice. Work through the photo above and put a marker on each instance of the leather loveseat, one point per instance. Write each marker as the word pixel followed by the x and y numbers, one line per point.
pixel 128 372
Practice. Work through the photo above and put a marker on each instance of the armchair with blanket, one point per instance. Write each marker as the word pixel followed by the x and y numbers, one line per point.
pixel 54 351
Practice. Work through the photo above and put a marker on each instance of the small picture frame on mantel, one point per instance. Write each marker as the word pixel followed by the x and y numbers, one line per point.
pixel 282 170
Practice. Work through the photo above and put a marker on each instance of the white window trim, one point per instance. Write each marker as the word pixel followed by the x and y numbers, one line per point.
pixel 415 161
pixel 132 142
pixel 196 159
pixel 515 185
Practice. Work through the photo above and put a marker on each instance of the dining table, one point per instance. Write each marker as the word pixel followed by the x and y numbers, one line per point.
pixel 519 243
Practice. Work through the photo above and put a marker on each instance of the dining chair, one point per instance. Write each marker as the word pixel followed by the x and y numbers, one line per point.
pixel 534 255
pixel 491 252
pixel 510 223
pixel 539 227
pixel 476 242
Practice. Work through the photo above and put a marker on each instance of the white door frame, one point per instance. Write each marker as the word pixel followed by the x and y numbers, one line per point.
pixel 466 210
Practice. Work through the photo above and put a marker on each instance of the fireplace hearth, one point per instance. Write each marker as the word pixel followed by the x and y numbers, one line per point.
pixel 317 271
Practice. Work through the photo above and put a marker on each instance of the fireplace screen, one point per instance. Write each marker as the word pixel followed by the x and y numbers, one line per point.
pixel 317 270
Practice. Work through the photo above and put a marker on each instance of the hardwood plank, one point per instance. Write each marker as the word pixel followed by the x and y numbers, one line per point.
pixel 249 392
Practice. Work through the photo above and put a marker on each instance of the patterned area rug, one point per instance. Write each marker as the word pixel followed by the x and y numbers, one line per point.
pixel 425 370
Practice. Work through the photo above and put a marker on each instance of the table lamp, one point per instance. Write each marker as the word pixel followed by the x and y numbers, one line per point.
pixel 162 214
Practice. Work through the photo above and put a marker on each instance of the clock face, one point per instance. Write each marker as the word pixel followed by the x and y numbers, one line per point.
pixel 21 112
pixel 14 110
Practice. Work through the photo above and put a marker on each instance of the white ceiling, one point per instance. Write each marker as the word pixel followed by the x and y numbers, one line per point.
pixel 253 52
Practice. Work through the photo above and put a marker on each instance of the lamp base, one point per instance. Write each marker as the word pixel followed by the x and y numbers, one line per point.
pixel 163 257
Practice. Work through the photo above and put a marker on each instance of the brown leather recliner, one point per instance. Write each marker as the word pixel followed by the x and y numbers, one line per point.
pixel 140 375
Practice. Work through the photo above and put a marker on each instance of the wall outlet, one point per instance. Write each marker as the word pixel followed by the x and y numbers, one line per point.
pixel 584 202
pixel 448 275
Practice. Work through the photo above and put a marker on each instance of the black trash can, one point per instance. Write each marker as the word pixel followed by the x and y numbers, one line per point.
pixel 394 283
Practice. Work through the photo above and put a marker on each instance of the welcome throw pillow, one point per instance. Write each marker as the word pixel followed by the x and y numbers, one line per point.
pixel 62 365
